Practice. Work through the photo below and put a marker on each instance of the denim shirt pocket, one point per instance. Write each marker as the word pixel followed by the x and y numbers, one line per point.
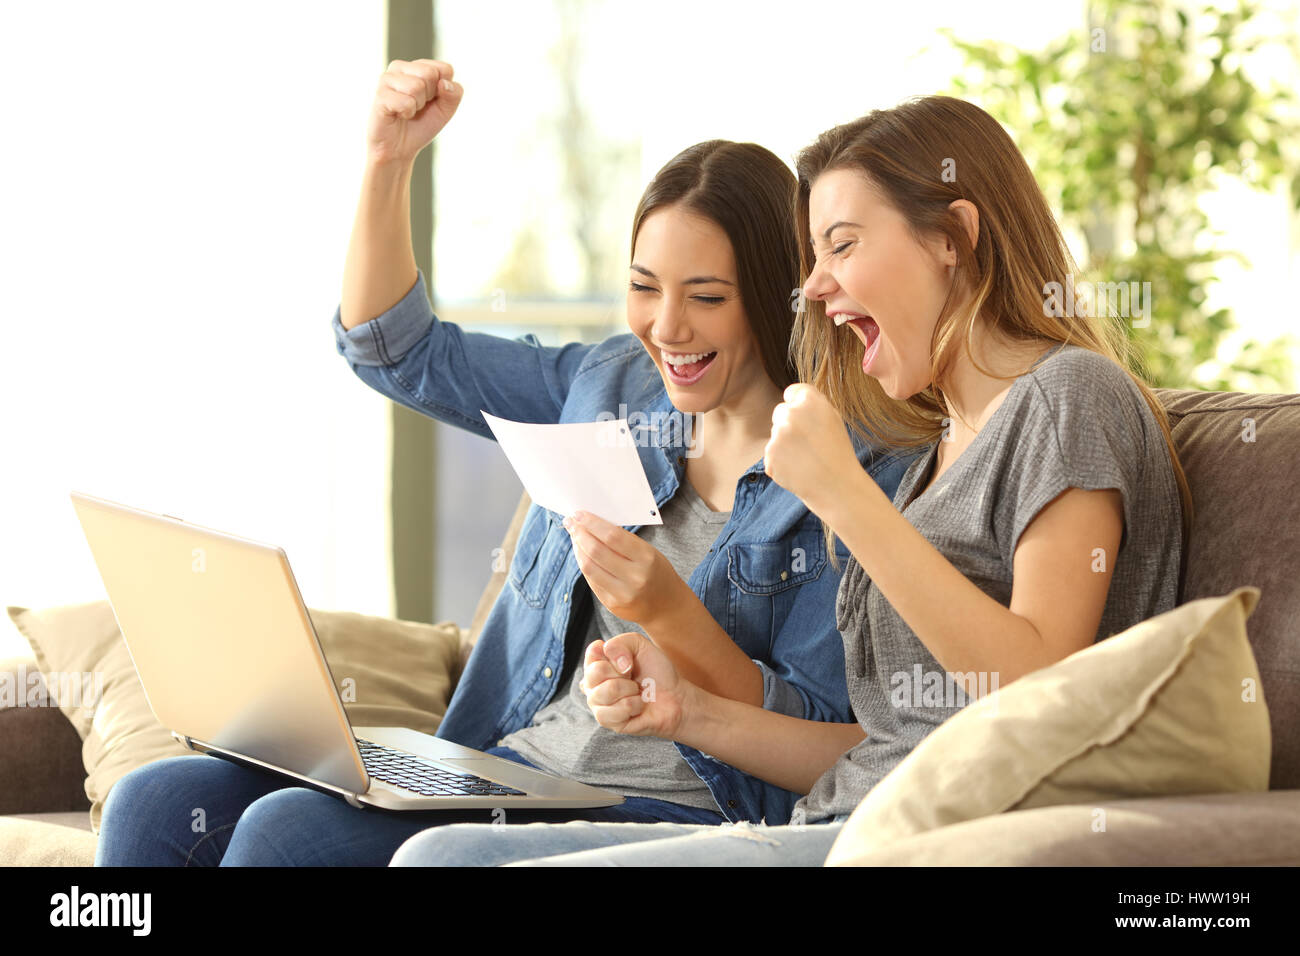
pixel 765 578
pixel 539 555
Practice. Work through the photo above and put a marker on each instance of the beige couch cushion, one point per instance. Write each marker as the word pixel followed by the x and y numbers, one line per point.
pixel 46 839
pixel 1170 706
pixel 1213 829
pixel 401 674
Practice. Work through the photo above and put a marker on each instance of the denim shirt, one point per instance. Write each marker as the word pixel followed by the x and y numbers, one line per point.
pixel 767 581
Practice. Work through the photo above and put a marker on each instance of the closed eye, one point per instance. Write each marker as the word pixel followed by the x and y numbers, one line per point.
pixel 835 251
pixel 706 299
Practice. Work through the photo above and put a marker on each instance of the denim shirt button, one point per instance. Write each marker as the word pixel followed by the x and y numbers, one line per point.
pixel 731 804
pixel 752 477
pixel 546 672
pixel 681 460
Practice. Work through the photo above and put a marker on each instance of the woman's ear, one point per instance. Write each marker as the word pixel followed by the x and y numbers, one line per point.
pixel 969 216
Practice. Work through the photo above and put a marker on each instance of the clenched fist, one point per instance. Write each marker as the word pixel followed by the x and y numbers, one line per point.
pixel 633 688
pixel 809 453
pixel 415 100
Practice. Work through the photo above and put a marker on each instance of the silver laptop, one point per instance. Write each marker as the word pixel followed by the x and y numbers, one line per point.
pixel 231 665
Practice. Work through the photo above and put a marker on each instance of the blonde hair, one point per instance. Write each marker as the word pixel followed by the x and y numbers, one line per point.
pixel 904 152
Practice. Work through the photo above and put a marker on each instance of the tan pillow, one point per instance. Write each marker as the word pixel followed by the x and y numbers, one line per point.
pixel 1171 706
pixel 400 670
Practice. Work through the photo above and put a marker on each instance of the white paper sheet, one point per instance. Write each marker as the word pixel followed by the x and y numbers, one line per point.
pixel 583 466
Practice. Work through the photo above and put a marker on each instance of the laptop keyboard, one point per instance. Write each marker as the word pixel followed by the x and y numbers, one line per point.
pixel 424 777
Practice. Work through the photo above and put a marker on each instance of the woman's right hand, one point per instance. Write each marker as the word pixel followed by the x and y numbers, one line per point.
pixel 415 100
pixel 633 688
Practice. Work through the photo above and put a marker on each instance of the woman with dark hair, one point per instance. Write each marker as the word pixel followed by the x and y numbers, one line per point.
pixel 736 585
pixel 1046 511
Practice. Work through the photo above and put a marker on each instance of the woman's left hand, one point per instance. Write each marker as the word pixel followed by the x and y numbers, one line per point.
pixel 630 577
pixel 809 453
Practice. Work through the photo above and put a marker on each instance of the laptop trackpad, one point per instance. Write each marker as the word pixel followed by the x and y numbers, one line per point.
pixel 510 773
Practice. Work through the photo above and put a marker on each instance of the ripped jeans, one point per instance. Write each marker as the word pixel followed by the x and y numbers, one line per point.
pixel 582 843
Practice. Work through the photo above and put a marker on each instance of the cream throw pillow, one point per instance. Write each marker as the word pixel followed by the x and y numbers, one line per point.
pixel 1171 706
pixel 401 673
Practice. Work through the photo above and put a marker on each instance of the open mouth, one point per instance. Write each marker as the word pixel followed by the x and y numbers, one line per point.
pixel 687 369
pixel 867 330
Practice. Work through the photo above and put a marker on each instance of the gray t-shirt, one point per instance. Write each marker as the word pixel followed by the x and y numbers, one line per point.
pixel 565 739
pixel 1076 420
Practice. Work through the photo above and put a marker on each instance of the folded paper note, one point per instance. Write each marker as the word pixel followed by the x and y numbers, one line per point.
pixel 583 466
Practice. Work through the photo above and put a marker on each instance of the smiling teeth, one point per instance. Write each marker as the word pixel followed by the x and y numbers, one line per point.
pixel 687 359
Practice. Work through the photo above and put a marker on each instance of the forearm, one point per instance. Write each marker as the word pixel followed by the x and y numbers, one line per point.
pixel 380 266
pixel 786 751
pixel 963 627
pixel 703 652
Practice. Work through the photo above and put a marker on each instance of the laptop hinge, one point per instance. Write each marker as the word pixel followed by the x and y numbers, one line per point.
pixel 244 760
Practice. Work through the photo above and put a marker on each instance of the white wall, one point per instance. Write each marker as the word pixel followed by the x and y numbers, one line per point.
pixel 177 185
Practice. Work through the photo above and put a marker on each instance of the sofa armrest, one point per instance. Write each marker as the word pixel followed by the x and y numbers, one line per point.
pixel 40 750
pixel 1218 829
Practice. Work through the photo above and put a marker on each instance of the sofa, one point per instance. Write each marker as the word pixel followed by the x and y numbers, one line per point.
pixel 1240 452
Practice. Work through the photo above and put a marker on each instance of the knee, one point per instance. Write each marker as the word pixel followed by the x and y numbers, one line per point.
pixel 270 832
pixel 456 844
pixel 148 813
pixel 150 793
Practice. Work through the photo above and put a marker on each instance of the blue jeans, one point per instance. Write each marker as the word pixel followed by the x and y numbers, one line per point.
pixel 620 844
pixel 205 811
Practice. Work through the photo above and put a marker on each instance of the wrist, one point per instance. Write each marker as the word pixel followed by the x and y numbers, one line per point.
pixel 388 172
pixel 840 485
pixel 849 501
pixel 698 711
pixel 669 613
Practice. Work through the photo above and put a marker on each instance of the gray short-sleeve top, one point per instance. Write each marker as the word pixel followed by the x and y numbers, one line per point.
pixel 1075 420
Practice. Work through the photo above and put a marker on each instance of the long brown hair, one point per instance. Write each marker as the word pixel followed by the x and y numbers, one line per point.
pixel 745 189
pixel 922 155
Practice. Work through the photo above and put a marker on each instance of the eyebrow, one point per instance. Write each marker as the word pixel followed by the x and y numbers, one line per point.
pixel 694 280
pixel 835 225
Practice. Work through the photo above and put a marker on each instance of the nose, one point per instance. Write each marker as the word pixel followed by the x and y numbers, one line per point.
pixel 819 284
pixel 670 326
